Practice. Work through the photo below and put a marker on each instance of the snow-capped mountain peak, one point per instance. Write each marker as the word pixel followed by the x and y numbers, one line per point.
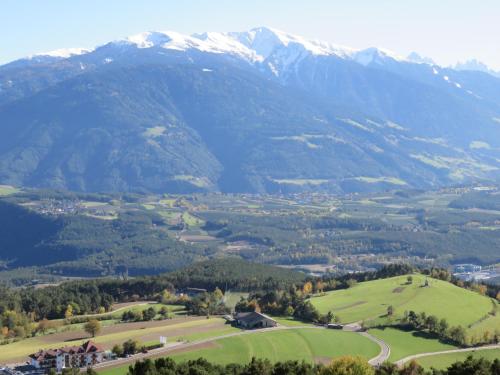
pixel 63 53
pixel 374 55
pixel 265 41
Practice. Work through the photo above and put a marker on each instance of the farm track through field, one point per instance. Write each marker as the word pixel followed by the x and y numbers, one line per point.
pixel 401 362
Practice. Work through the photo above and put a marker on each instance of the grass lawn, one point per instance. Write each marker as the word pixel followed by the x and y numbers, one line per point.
pixel 301 344
pixel 404 343
pixel 443 361
pixel 370 300
pixel 290 321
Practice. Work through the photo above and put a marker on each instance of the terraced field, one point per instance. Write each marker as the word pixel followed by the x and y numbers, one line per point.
pixel 370 300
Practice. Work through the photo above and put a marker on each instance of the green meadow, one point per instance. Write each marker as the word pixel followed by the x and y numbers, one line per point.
pixel 309 344
pixel 404 343
pixel 370 300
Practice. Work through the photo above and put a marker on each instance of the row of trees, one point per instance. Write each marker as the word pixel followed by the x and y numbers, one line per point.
pixel 292 302
pixel 342 366
pixel 146 315
pixel 442 329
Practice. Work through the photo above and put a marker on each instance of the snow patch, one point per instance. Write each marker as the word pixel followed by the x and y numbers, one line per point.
pixel 64 53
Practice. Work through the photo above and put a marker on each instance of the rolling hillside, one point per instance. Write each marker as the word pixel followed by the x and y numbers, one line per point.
pixel 370 300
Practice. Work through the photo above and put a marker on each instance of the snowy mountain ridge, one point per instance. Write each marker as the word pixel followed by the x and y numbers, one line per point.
pixel 255 45
pixel 278 49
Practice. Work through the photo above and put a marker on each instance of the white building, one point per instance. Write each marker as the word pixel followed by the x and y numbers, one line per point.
pixel 84 355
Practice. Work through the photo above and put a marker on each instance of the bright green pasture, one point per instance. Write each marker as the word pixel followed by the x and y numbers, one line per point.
pixel 443 361
pixel 370 300
pixel 299 344
pixel 404 343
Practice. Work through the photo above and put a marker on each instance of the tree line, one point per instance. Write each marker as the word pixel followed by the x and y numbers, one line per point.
pixel 347 365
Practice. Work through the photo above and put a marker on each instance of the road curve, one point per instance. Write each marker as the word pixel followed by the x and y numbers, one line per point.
pixel 385 350
pixel 401 362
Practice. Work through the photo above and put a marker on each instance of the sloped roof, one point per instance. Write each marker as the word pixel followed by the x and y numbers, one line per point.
pixel 86 347
pixel 253 317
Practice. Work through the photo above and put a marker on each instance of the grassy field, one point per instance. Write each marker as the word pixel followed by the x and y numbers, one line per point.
pixel 176 329
pixel 370 300
pixel 301 344
pixel 445 360
pixel 404 344
pixel 312 345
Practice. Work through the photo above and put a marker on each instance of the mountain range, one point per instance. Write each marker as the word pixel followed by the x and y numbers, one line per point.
pixel 260 111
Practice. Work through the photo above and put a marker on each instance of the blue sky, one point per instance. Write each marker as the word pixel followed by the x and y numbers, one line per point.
pixel 446 30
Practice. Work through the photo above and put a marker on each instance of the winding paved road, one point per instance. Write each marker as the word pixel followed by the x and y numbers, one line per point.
pixel 401 362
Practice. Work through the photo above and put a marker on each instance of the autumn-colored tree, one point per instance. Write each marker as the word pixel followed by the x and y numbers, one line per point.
pixel 498 296
pixel 348 365
pixel 166 296
pixel 69 312
pixel 218 294
pixel 307 288
pixel 92 327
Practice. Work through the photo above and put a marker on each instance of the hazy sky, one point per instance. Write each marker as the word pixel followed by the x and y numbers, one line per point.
pixel 446 30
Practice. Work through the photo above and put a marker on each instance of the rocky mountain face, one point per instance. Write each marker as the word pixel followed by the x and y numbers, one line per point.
pixel 257 111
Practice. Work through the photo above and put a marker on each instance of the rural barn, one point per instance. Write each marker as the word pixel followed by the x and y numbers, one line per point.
pixel 253 320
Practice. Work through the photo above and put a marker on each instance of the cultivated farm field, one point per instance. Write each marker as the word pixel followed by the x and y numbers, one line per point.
pixel 185 329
